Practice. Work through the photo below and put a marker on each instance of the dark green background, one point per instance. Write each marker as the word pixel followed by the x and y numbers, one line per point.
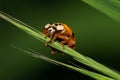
pixel 98 37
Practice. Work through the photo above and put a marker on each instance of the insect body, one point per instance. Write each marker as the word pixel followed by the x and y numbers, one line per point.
pixel 59 32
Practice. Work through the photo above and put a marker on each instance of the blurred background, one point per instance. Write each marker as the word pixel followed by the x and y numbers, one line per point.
pixel 98 37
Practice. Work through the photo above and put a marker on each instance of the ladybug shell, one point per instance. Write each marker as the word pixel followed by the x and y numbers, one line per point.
pixel 60 32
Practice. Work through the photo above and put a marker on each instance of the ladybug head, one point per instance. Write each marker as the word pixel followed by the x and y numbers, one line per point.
pixel 54 27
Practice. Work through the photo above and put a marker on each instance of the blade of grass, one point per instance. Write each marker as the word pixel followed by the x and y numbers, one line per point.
pixel 28 29
pixel 81 70
pixel 77 56
pixel 108 7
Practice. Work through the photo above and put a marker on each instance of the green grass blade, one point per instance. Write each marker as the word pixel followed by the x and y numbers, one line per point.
pixel 77 56
pixel 28 29
pixel 81 70
pixel 108 7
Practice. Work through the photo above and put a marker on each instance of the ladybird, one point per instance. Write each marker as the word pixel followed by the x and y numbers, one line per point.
pixel 59 32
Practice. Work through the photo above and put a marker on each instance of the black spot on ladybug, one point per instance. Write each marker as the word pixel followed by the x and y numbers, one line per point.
pixel 56 24
pixel 59 24
pixel 73 35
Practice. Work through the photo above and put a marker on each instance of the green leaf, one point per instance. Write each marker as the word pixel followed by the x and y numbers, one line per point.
pixel 77 56
pixel 81 70
pixel 108 7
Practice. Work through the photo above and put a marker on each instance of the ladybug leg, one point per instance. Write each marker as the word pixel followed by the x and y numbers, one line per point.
pixel 46 35
pixel 52 39
pixel 46 44
pixel 70 42
pixel 62 43
pixel 64 40
pixel 44 31
pixel 54 51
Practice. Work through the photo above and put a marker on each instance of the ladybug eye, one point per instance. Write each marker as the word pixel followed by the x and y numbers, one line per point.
pixel 59 27
pixel 47 25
